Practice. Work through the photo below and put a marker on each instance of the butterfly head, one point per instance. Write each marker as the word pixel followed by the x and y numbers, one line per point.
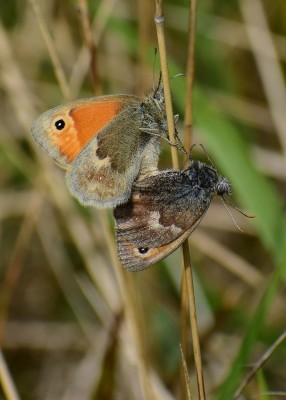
pixel 223 187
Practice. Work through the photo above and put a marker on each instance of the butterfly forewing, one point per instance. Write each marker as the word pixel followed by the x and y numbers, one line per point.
pixel 63 131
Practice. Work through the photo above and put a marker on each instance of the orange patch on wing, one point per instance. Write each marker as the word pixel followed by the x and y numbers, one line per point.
pixel 67 143
pixel 89 119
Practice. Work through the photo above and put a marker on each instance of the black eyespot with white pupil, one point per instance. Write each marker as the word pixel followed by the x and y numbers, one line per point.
pixel 143 250
pixel 60 124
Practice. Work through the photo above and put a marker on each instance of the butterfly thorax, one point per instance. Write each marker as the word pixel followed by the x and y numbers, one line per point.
pixel 205 177
pixel 154 113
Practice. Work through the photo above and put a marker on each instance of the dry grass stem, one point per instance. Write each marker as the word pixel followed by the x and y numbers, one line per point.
pixel 186 374
pixel 269 68
pixel 159 22
pixel 188 141
pixel 144 32
pixel 7 382
pixel 190 73
pixel 185 323
pixel 259 365
pixel 90 42
pixel 82 63
pixel 52 50
pixel 132 309
pixel 194 322
pixel 61 267
pixel 14 266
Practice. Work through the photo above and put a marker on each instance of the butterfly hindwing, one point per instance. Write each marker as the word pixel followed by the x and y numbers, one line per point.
pixel 163 211
pixel 103 172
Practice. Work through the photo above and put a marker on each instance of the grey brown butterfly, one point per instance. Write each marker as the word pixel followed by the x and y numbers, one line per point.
pixel 104 143
pixel 164 209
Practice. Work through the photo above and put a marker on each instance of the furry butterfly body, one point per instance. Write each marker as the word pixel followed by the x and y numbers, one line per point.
pixel 163 211
pixel 104 143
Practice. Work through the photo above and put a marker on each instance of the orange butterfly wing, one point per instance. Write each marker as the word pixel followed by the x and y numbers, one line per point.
pixel 64 131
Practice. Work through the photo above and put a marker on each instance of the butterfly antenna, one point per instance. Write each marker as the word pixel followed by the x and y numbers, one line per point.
pixel 230 214
pixel 180 146
pixel 158 86
pixel 238 209
pixel 188 155
pixel 207 155
pixel 154 64
pixel 225 202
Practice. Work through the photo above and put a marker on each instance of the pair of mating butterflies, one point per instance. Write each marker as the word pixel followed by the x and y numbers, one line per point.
pixel 110 147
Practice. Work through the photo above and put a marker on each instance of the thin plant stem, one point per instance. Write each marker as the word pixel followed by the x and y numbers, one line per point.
pixel 82 63
pixel 259 364
pixel 190 69
pixel 60 265
pixel 7 383
pixel 52 51
pixel 184 331
pixel 131 307
pixel 144 32
pixel 159 21
pixel 90 42
pixel 14 267
pixel 188 144
pixel 194 324
pixel 188 395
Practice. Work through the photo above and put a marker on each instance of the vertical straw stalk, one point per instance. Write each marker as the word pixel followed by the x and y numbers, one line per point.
pixel 159 21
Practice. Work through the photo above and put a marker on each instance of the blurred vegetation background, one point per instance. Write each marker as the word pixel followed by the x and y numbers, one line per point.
pixel 65 325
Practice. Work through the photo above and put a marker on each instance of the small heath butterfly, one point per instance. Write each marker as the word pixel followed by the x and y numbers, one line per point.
pixel 164 209
pixel 104 143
